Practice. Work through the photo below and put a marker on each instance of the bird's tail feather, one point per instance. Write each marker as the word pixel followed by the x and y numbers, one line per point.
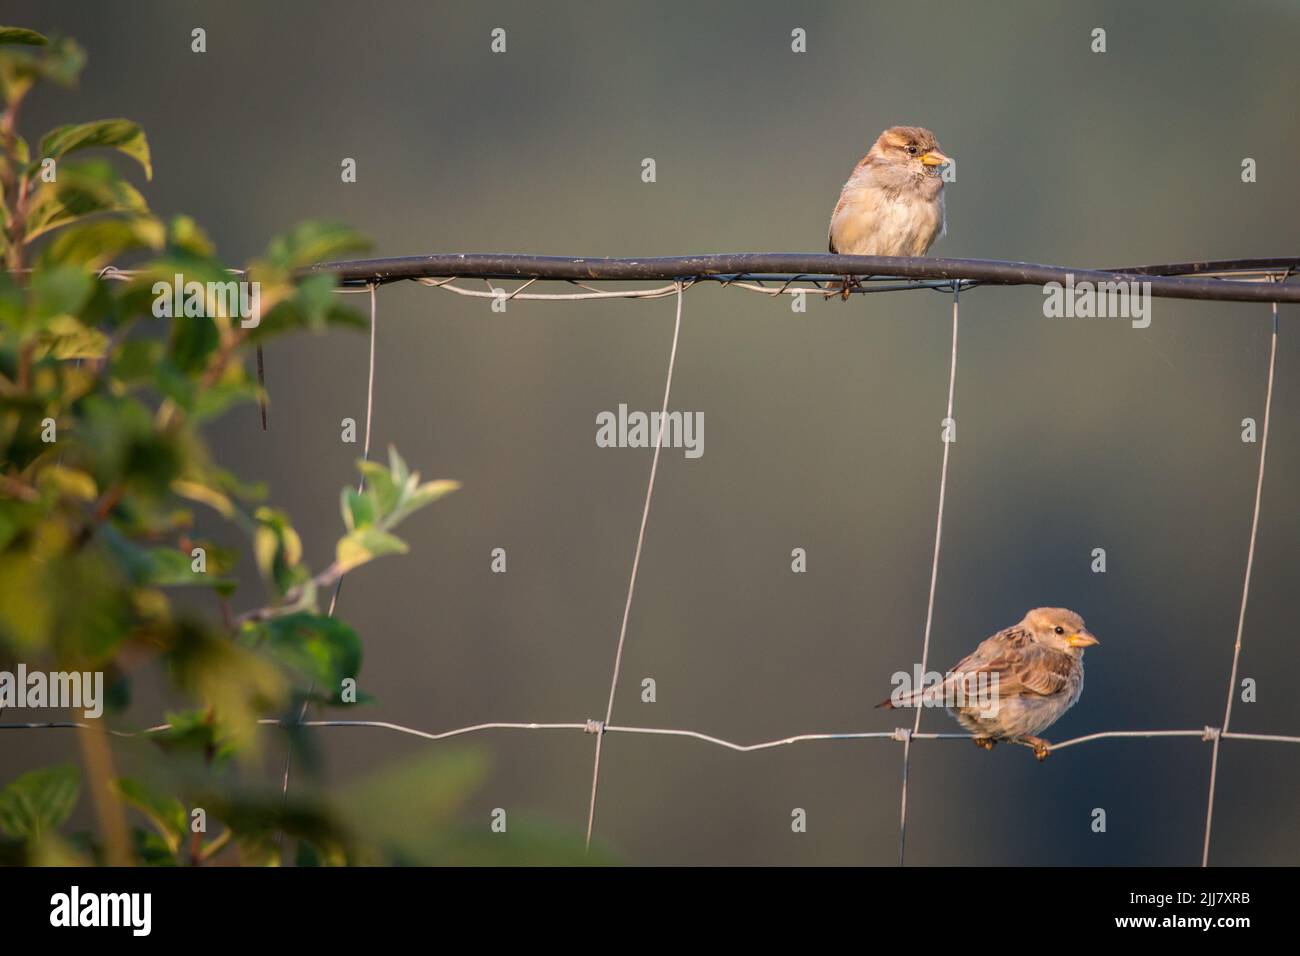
pixel 913 698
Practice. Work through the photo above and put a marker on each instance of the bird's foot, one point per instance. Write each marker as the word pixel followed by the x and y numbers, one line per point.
pixel 849 284
pixel 1041 747
pixel 984 743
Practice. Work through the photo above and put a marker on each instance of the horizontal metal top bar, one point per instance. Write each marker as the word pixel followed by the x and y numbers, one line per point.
pixel 1175 280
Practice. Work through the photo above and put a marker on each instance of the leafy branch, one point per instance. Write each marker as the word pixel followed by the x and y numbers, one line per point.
pixel 370 513
pixel 104 563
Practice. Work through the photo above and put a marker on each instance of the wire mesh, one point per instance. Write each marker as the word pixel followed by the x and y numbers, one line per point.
pixel 1244 280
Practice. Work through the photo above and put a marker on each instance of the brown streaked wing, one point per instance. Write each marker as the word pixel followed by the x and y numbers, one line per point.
pixel 1035 670
pixel 1045 672
pixel 1022 666
pixel 996 652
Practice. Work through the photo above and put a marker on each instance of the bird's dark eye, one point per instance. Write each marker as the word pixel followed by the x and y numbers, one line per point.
pixel 1060 630
pixel 912 150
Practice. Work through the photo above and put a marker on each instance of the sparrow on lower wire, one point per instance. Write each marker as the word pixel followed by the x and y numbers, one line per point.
pixel 892 204
pixel 1032 672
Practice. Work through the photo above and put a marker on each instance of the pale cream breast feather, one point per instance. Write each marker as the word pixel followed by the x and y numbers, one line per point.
pixel 868 221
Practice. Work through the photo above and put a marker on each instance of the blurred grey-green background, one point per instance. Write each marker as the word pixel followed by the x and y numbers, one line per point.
pixel 822 429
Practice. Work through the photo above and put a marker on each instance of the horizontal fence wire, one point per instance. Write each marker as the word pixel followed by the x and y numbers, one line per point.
pixel 593 726
pixel 772 274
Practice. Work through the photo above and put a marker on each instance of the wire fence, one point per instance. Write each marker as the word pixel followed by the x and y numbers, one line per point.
pixel 1261 280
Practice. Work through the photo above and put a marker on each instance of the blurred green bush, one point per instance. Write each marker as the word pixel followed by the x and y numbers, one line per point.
pixel 105 385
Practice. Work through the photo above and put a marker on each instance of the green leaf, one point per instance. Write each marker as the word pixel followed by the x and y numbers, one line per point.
pixel 23 36
pixel 152 289
pixel 166 813
pixel 119 437
pixel 61 290
pixel 167 566
pixel 306 854
pixel 23 63
pixel 365 544
pixel 27 612
pixel 322 649
pixel 194 731
pixel 406 808
pixel 238 684
pixel 13 302
pixel 82 189
pixel 161 567
pixel 66 338
pixel 204 494
pixel 185 235
pixel 278 550
pixel 135 360
pixel 314 297
pixel 194 339
pixel 37 614
pixel 151 849
pixel 39 801
pixel 61 62
pixel 424 494
pixel 258 819
pixel 312 242
pixel 379 483
pixel 93 245
pixel 122 135
pixel 395 492
pixel 68 482
pixel 397 466
pixel 203 402
pixel 358 509
pixel 215 400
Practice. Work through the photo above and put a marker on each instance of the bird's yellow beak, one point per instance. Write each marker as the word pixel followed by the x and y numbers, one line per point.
pixel 1082 639
pixel 935 158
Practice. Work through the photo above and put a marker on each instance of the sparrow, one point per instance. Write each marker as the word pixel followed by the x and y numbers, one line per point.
pixel 892 204
pixel 1032 673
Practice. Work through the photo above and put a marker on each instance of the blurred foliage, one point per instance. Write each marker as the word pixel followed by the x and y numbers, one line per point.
pixel 406 813
pixel 102 461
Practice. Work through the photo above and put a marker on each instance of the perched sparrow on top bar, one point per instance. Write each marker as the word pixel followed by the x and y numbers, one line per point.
pixel 1038 666
pixel 892 204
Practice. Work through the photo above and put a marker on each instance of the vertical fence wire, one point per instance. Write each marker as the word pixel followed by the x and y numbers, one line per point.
pixel 365 441
pixel 949 434
pixel 636 563
pixel 361 486
pixel 1245 590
